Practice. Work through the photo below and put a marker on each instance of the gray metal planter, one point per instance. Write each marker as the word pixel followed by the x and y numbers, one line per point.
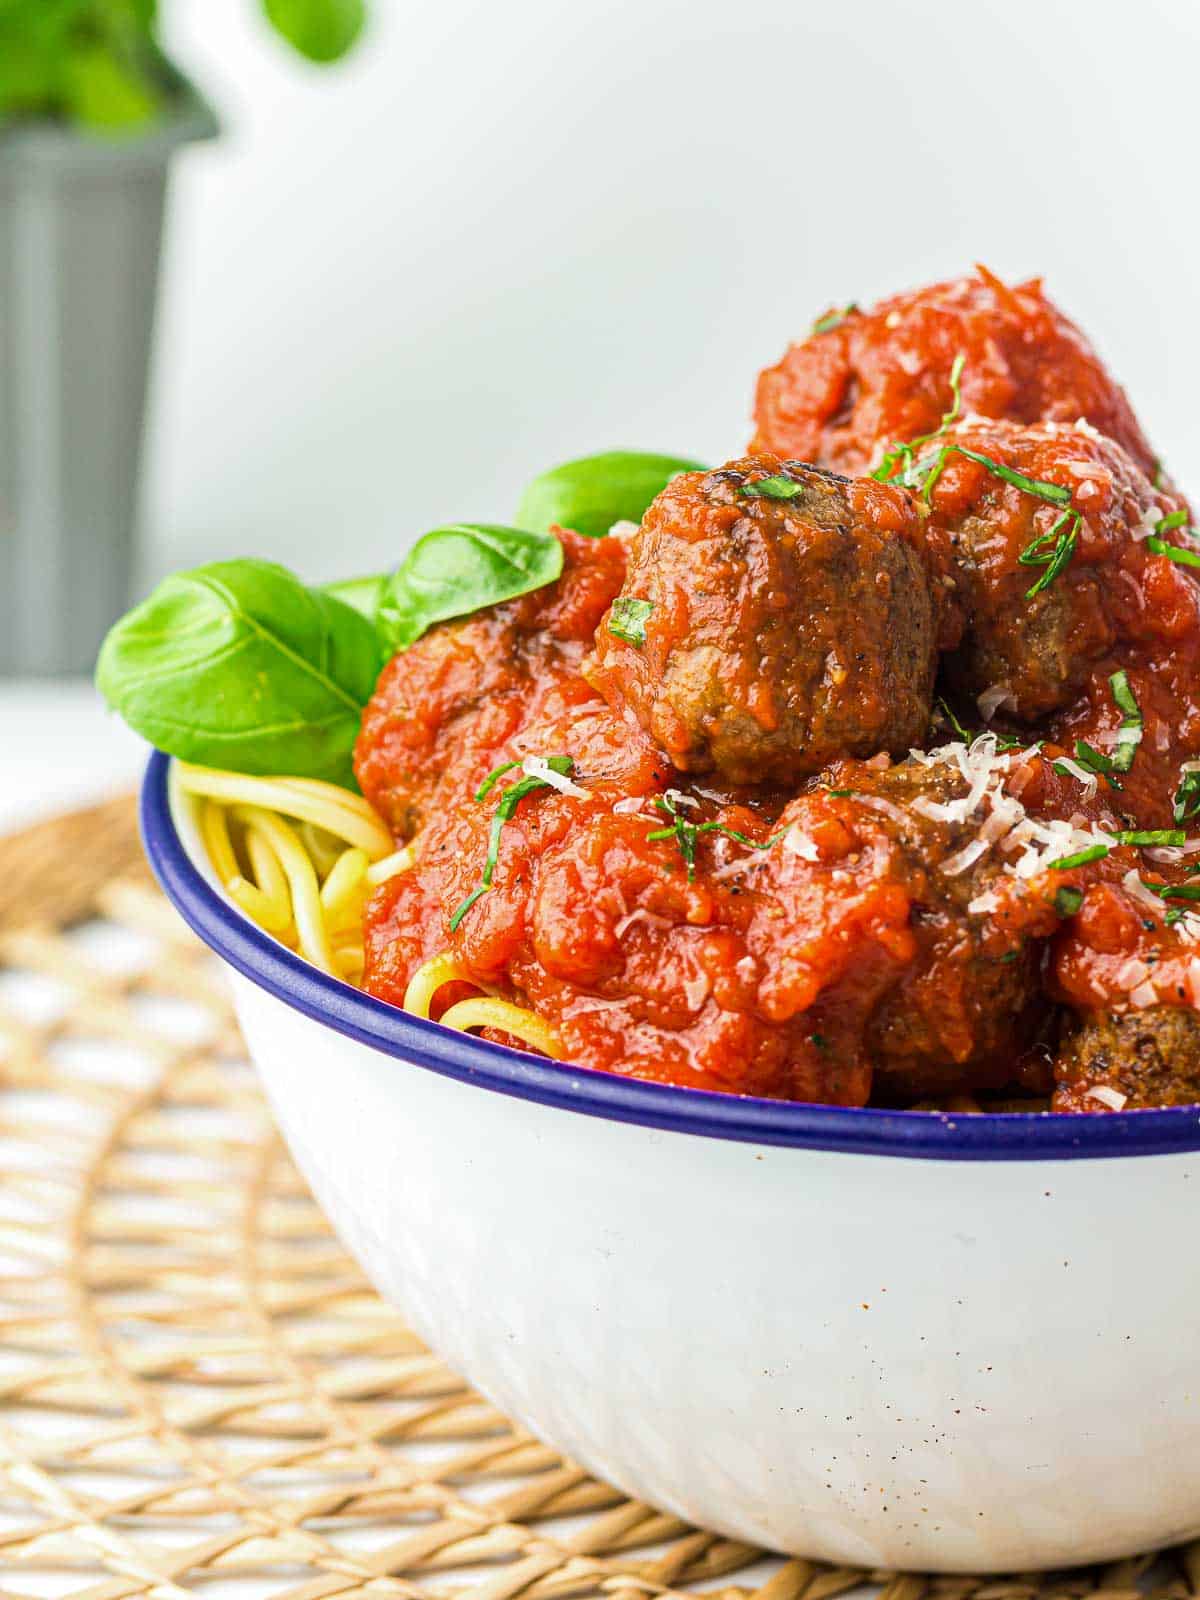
pixel 80 234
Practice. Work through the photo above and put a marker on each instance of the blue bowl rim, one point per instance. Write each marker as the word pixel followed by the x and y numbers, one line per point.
pixel 915 1134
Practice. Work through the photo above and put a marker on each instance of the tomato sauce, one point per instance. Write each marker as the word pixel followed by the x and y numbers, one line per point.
pixel 740 878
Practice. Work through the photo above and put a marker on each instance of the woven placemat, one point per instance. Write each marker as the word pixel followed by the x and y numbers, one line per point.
pixel 198 1390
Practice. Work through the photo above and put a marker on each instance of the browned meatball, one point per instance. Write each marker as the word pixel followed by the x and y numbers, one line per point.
pixel 866 379
pixel 774 616
pixel 968 1006
pixel 1082 531
pixel 1127 1061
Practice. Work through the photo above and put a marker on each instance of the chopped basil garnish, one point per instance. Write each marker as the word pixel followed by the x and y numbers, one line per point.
pixel 776 487
pixel 1152 836
pixel 839 794
pixel 504 812
pixel 1173 915
pixel 906 453
pixel 1091 760
pixel 1081 858
pixel 1174 519
pixel 964 734
pixel 1056 493
pixel 834 319
pixel 1067 900
pixel 1052 550
pixel 1187 797
pixel 1129 733
pixel 1173 891
pixel 687 834
pixel 493 778
pixel 627 620
pixel 1160 547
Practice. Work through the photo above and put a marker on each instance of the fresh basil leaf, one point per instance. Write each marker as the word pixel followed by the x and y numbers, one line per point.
pixel 364 594
pixel 627 619
pixel 591 494
pixel 461 568
pixel 240 665
pixel 322 30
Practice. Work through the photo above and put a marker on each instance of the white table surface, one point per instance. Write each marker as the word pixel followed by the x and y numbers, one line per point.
pixel 60 748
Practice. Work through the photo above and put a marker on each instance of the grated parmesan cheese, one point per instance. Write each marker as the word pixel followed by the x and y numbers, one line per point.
pixel 964 858
pixel 1080 774
pixel 1144 995
pixel 983 903
pixel 1147 522
pixel 650 918
pixel 1131 973
pixel 990 701
pixel 798 843
pixel 1138 892
pixel 1112 1098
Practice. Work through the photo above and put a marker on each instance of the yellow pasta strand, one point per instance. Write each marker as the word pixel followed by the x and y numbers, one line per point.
pixel 258 906
pixel 342 889
pixel 429 978
pixel 302 880
pixel 323 847
pixel 324 804
pixel 523 1024
pixel 391 866
pixel 214 829
pixel 269 876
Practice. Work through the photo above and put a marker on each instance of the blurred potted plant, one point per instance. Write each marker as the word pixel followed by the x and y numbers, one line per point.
pixel 91 112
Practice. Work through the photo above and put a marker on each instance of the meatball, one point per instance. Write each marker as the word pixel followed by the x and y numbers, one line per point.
pixel 1077 538
pixel 966 1013
pixel 841 396
pixel 784 616
pixel 1126 1061
pixel 443 707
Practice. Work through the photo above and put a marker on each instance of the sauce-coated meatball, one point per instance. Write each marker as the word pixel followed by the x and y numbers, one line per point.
pixel 841 396
pixel 786 619
pixel 1085 552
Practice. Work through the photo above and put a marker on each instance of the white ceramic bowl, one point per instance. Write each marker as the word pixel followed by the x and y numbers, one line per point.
pixel 885 1338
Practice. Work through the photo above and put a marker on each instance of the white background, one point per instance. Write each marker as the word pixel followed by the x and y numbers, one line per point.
pixel 511 231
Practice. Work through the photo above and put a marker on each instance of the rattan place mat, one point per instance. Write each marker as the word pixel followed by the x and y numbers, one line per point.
pixel 198 1390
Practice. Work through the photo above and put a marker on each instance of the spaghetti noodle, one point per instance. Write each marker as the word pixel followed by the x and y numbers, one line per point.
pixel 301 858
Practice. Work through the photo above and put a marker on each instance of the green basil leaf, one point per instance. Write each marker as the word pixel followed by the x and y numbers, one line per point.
pixel 240 665
pixel 590 494
pixel 364 594
pixel 461 568
pixel 322 30
pixel 776 487
pixel 628 617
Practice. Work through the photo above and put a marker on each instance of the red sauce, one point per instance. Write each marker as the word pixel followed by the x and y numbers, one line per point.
pixel 737 894
pixel 841 397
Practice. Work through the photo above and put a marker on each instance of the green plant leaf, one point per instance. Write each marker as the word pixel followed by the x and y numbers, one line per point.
pixel 322 30
pixel 364 594
pixel 239 664
pixel 105 92
pixel 461 568
pixel 590 494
